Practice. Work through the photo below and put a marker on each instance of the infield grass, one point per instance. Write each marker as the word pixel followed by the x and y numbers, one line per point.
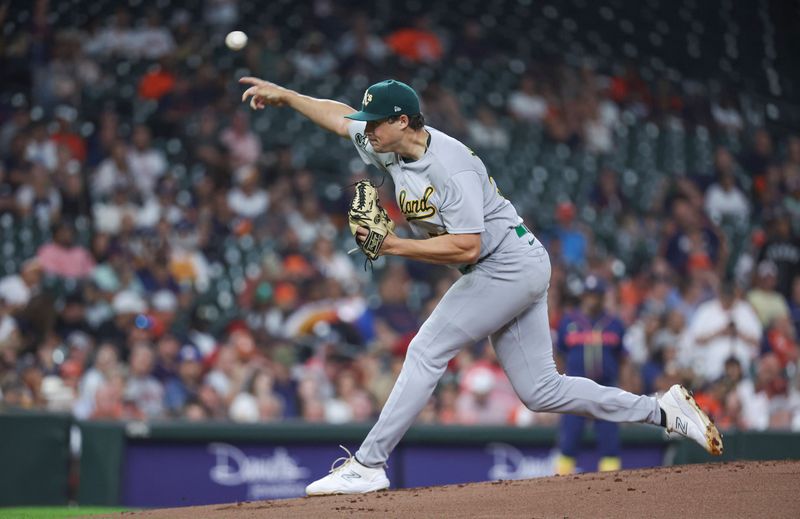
pixel 46 512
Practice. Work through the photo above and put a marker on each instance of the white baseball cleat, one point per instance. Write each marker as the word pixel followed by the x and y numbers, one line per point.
pixel 685 418
pixel 350 477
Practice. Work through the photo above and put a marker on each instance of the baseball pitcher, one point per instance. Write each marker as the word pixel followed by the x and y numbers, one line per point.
pixel 452 204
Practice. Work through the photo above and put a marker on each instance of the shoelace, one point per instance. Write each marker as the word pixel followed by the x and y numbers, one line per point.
pixel 344 460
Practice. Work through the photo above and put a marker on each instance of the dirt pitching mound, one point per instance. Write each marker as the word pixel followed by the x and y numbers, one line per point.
pixel 736 489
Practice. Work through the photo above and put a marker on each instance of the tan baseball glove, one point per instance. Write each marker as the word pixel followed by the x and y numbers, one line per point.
pixel 366 211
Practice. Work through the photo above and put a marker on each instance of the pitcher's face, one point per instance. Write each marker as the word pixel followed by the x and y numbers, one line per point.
pixel 385 134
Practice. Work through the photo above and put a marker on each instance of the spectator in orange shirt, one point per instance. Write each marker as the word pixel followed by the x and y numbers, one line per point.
pixel 158 82
pixel 418 44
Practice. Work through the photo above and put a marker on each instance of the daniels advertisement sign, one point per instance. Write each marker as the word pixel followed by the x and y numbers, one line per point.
pixel 178 474
pixel 164 473
pixel 267 477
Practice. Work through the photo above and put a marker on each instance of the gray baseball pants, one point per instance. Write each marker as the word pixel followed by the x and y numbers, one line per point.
pixel 504 298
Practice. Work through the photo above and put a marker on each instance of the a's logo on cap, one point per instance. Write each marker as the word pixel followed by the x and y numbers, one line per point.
pixel 367 98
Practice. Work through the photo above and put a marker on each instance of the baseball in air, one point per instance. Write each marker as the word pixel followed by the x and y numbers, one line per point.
pixel 236 40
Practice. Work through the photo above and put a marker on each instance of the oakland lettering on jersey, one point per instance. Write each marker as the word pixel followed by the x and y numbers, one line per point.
pixel 417 209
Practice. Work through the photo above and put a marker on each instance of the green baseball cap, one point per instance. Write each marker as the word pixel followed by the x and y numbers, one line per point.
pixel 387 99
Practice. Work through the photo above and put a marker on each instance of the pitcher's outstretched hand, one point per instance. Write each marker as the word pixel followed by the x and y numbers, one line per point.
pixel 262 93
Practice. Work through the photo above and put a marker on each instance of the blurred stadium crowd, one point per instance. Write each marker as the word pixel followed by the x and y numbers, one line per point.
pixel 167 254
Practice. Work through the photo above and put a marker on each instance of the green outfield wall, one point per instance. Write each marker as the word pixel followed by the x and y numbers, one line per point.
pixel 34 458
pixel 117 459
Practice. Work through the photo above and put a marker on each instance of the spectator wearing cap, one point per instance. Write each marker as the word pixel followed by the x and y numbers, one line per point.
pixel 590 341
pixel 768 303
pixel 62 257
pixel 59 389
pixel 186 385
pixel 163 313
pixel 482 399
pixel 72 317
pixel 127 306
pixel 723 327
pixel 783 249
pixel 81 348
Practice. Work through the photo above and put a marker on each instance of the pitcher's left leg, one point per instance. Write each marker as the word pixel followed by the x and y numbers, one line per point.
pixel 524 349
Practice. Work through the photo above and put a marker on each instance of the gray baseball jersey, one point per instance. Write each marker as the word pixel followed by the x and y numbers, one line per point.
pixel 446 191
pixel 503 297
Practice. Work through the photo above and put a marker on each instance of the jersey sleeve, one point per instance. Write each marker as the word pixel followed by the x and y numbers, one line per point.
pixel 356 131
pixel 462 204
pixel 364 148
